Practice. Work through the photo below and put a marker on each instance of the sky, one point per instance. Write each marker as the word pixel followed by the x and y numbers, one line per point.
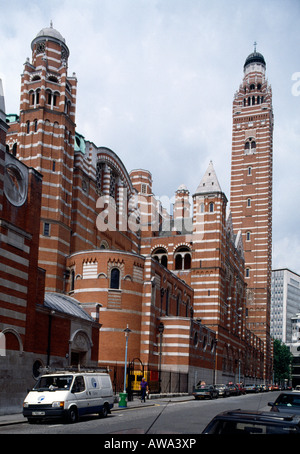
pixel 156 81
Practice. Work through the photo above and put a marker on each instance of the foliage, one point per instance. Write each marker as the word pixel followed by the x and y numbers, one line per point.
pixel 282 361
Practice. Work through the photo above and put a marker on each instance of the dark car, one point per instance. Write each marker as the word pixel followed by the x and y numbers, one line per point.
pixel 223 390
pixel 205 392
pixel 241 388
pixel 287 402
pixel 251 388
pixel 253 422
pixel 233 389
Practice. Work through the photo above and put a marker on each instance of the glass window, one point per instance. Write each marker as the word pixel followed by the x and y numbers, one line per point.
pixel 115 278
pixel 79 385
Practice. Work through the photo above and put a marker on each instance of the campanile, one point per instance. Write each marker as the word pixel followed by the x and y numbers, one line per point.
pixel 46 142
pixel 251 192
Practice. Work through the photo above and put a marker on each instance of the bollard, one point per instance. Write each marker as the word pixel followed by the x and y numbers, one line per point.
pixel 123 400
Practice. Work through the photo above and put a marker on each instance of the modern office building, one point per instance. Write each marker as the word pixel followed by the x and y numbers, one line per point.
pixel 285 306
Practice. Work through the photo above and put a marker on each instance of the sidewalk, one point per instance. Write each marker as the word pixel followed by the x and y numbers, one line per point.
pixel 155 399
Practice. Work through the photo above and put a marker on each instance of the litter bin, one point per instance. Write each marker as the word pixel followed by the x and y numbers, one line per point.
pixel 123 400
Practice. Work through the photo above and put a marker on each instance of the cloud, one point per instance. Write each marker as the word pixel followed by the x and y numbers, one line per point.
pixel 156 80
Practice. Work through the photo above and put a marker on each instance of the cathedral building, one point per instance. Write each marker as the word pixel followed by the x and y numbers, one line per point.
pixel 177 280
pixel 251 192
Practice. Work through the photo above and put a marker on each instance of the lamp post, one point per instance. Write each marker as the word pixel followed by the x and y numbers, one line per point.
pixel 123 396
pixel 161 328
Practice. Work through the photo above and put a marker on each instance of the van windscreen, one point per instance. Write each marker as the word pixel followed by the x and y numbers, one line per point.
pixel 53 383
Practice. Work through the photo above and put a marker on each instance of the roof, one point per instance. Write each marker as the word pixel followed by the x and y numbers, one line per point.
pixel 64 303
pixel 255 57
pixel 209 182
pixel 51 33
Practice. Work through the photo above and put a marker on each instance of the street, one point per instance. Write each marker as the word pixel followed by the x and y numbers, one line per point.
pixel 178 416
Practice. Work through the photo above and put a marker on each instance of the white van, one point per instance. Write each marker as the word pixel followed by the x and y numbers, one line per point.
pixel 69 395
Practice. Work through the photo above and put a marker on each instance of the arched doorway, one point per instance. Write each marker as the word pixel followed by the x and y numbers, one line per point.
pixel 80 348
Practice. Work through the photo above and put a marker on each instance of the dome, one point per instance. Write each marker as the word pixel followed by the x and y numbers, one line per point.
pixel 255 57
pixel 51 33
pixel 182 188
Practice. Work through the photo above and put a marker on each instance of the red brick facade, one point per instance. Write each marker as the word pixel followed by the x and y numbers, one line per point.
pixel 251 193
pixel 105 240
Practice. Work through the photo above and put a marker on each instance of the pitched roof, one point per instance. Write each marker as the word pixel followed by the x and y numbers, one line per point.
pixel 64 303
pixel 209 182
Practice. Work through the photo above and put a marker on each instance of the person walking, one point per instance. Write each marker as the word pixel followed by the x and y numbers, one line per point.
pixel 144 388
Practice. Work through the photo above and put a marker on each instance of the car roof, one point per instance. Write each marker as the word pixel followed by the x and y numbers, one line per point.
pixel 259 416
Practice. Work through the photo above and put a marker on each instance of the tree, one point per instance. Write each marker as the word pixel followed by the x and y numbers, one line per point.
pixel 282 361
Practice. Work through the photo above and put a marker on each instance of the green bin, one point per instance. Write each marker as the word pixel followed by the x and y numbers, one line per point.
pixel 123 400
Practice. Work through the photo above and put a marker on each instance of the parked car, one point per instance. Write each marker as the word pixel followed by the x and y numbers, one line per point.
pixel 205 391
pixel 241 388
pixel 234 390
pixel 287 402
pixel 223 390
pixel 264 388
pixel 251 388
pixel 246 422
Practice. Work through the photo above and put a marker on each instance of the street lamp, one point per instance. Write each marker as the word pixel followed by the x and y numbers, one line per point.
pixel 161 328
pixel 123 396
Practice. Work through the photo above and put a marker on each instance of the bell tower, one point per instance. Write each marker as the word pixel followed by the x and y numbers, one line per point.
pixel 46 142
pixel 251 192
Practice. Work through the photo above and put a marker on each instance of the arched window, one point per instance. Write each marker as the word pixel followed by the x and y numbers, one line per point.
pixel 253 144
pixel 167 302
pixel 178 305
pixel 35 125
pixel 183 258
pixel 161 256
pixel 187 261
pixel 14 149
pixel 52 98
pixel 211 207
pixel 115 278
pixel 53 79
pixel 248 236
pixel 99 177
pixel 27 127
pixel 249 202
pixel 72 281
pixel 164 261
pixel 178 262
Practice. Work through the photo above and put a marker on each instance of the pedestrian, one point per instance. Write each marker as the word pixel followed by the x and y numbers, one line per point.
pixel 144 389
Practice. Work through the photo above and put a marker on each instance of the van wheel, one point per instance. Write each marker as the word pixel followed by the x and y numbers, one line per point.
pixel 33 420
pixel 72 415
pixel 104 412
